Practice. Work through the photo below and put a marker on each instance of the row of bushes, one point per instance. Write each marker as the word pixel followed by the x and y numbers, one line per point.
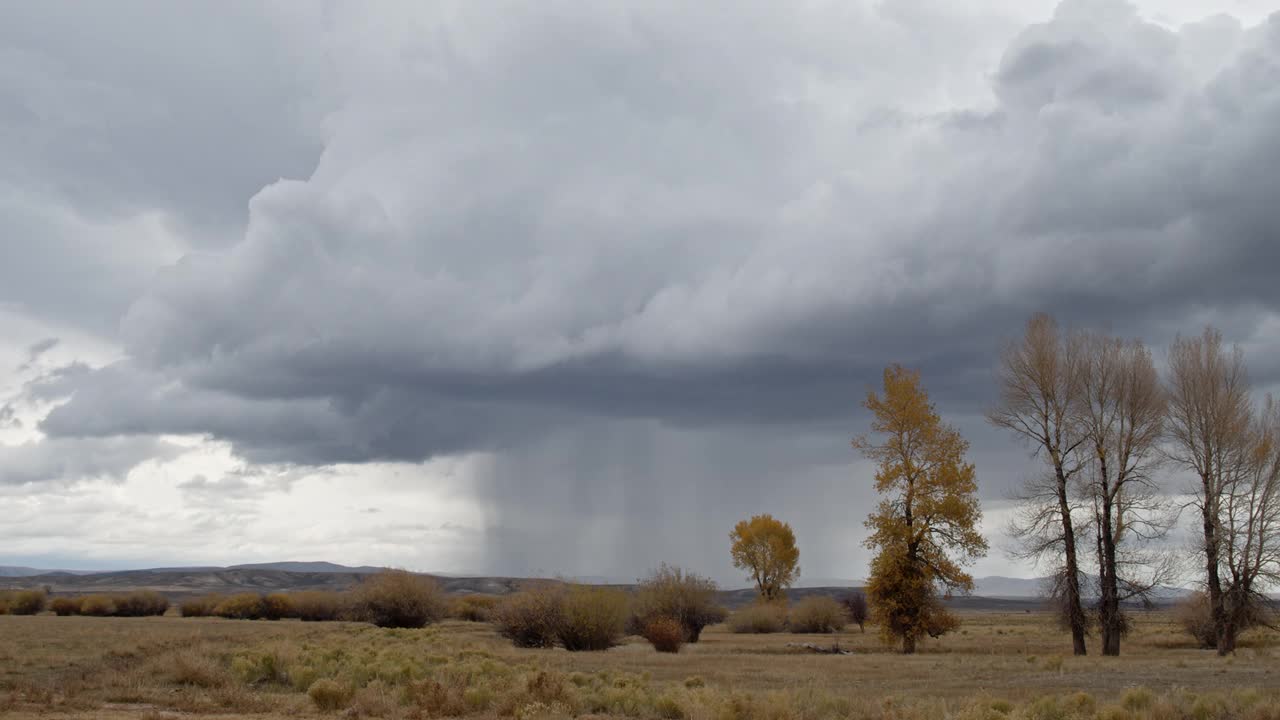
pixel 394 598
pixel 140 603
pixel 22 602
pixel 669 608
pixel 817 614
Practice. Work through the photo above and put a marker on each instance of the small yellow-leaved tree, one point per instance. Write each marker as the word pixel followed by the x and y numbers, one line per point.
pixel 766 548
pixel 926 526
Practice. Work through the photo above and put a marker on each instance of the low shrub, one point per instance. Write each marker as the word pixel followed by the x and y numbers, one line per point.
pixel 140 603
pixel 1195 616
pixel 97 605
pixel 194 669
pixel 531 617
pixel 199 606
pixel 277 606
pixel 27 602
pixel 398 599
pixel 817 614
pixel 242 606
pixel 473 608
pixel 329 694
pixel 64 606
pixel 670 592
pixel 593 618
pixel 759 618
pixel 665 634
pixel 317 605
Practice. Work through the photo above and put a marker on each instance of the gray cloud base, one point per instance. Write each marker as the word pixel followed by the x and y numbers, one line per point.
pixel 647 223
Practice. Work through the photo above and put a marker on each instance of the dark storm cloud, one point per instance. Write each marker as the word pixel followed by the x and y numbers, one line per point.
pixel 654 256
pixel 126 125
pixel 677 245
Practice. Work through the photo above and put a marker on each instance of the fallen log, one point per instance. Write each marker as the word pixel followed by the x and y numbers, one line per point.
pixel 811 647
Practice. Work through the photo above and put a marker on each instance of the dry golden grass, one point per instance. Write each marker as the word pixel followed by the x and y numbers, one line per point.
pixel 997 666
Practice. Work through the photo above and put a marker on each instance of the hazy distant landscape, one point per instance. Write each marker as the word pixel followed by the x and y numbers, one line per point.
pixel 990 593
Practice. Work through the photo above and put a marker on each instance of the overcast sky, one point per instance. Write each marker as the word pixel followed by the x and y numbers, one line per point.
pixel 571 287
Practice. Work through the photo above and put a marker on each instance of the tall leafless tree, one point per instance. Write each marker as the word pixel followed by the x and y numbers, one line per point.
pixel 1249 528
pixel 1122 415
pixel 1040 380
pixel 1208 431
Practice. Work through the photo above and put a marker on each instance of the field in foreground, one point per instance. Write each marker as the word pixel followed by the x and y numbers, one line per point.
pixel 998 666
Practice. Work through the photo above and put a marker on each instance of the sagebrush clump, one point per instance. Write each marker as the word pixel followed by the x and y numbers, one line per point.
pixel 592 618
pixel 531 617
pixel 398 598
pixel 64 606
pixel 140 603
pixel 27 602
pixel 759 618
pixel 473 608
pixel 277 606
pixel 199 606
pixel 329 694
pixel 318 605
pixel 241 606
pixel 687 598
pixel 817 614
pixel 97 605
pixel 664 634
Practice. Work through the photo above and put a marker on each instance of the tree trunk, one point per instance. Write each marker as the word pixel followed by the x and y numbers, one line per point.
pixel 1075 611
pixel 1110 590
pixel 909 644
pixel 1209 516
pixel 1227 641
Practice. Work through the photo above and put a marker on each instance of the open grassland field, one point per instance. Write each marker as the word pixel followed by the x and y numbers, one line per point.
pixel 997 666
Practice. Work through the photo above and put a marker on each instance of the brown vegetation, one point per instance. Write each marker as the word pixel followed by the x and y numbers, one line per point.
pixel 97 605
pixel 25 602
pixel 664 633
pixel 473 608
pixel 318 605
pixel 65 606
pixel 592 618
pixel 817 614
pixel 199 606
pixel 687 598
pixel 760 618
pixel 398 599
pixel 241 606
pixel 140 603
pixel 531 617
pixel 171 667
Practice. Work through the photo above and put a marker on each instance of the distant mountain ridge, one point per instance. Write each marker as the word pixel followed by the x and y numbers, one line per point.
pixel 300 566
pixel 11 571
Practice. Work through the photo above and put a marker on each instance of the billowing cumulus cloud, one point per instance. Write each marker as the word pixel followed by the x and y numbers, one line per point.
pixel 645 258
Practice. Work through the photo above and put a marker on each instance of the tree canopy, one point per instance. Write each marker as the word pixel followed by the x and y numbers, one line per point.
pixel 766 548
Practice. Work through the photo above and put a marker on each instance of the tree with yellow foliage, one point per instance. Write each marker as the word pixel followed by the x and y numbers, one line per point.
pixel 926 526
pixel 766 548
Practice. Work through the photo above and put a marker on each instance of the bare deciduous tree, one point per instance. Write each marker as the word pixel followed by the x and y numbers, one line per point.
pixel 1208 432
pixel 1040 386
pixel 1249 529
pixel 1122 413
